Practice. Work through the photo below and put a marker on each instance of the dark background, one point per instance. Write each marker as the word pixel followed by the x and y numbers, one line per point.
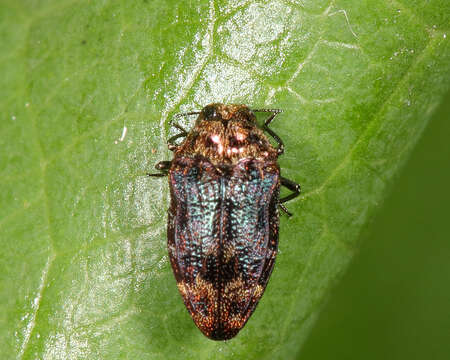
pixel 394 301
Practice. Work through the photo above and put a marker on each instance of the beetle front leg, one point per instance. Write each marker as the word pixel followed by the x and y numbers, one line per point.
pixel 272 133
pixel 163 167
pixel 171 142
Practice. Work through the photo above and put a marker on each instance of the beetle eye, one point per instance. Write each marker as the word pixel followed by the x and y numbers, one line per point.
pixel 210 113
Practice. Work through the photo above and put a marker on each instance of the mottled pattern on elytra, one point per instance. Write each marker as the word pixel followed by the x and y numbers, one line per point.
pixel 223 238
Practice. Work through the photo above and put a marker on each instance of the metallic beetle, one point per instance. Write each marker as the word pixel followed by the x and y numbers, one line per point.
pixel 223 218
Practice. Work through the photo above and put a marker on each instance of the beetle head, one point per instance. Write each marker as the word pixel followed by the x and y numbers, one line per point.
pixel 225 113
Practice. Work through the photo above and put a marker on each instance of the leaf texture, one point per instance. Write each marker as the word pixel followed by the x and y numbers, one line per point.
pixel 87 92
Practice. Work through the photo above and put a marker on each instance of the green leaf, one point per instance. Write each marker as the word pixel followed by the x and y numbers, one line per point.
pixel 87 91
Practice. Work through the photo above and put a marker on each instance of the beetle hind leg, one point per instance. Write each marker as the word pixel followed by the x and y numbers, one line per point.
pixel 296 190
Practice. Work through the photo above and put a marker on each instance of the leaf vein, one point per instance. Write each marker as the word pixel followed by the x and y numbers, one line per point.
pixel 375 119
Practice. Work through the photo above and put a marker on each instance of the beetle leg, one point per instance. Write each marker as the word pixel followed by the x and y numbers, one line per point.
pixel 291 185
pixel 179 127
pixel 163 167
pixel 294 187
pixel 286 211
pixel 272 133
pixel 187 114
pixel 171 142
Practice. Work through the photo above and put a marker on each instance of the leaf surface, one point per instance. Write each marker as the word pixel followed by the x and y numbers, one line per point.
pixel 87 92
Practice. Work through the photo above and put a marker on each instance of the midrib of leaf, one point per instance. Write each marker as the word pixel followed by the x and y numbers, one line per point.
pixel 46 217
pixel 198 68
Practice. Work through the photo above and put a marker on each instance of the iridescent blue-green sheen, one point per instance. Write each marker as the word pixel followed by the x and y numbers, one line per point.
pixel 223 231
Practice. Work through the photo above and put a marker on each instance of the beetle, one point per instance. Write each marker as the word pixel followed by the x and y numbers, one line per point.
pixel 223 218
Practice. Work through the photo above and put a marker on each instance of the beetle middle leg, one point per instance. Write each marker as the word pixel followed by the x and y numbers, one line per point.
pixel 272 133
pixel 163 167
pixel 296 190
